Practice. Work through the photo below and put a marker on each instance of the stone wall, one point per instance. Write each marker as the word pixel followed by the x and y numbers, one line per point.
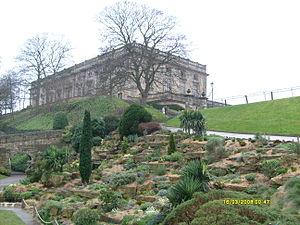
pixel 31 143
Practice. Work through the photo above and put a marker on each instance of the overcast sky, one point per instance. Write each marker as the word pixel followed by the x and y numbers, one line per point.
pixel 248 45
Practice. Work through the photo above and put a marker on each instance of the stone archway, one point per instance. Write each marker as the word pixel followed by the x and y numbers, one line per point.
pixel 20 162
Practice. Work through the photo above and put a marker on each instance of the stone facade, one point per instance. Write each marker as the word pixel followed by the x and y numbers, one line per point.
pixel 31 143
pixel 182 78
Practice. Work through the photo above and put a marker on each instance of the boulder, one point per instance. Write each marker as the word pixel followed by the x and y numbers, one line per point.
pixel 173 177
pixel 129 190
pixel 56 180
pixel 147 198
pixel 146 186
pixel 67 212
pixel 282 178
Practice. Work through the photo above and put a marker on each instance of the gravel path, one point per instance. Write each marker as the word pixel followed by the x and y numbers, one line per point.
pixel 13 179
pixel 241 135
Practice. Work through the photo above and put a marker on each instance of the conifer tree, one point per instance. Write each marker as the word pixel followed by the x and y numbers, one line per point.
pixel 171 147
pixel 85 166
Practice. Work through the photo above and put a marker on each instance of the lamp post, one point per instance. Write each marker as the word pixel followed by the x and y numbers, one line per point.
pixel 212 94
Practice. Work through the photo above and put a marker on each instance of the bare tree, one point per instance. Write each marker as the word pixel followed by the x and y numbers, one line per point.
pixel 112 77
pixel 10 85
pixel 41 56
pixel 147 35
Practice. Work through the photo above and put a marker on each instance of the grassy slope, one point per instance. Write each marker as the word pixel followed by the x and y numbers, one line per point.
pixel 271 117
pixel 9 218
pixel 98 106
pixel 2 176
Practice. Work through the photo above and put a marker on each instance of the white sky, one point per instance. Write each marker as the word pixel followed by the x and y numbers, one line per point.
pixel 247 45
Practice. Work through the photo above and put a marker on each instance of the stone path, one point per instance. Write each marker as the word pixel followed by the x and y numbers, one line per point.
pixel 23 215
pixel 13 179
pixel 240 135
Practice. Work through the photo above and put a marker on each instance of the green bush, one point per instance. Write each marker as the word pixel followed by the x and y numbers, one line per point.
pixel 10 195
pixel 132 138
pixel 4 171
pixel 171 146
pixel 60 121
pixel 174 157
pixel 96 141
pixel 110 200
pixel 295 148
pixel 197 170
pixel 261 139
pixel 160 170
pixel 26 195
pixel 67 134
pixel 19 162
pixel 271 167
pixel 122 179
pixel 132 117
pixel 256 189
pixel 55 158
pixel 214 143
pixel 98 128
pixel 124 145
pixel 85 217
pixel 250 177
pixel 75 140
pixel 183 190
pixel 111 123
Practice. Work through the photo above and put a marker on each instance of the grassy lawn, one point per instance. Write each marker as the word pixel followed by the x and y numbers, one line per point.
pixel 99 106
pixel 2 176
pixel 8 217
pixel 271 117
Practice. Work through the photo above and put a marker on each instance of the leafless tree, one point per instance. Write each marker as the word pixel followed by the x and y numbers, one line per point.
pixel 111 77
pixel 10 85
pixel 149 38
pixel 41 56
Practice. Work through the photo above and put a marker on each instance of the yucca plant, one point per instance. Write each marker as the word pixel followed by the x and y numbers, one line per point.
pixel 183 190
pixel 193 120
pixel 197 170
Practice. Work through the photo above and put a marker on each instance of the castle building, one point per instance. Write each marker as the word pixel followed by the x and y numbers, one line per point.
pixel 181 81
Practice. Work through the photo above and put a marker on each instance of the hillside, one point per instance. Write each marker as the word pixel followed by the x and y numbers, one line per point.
pixel 74 109
pixel 270 117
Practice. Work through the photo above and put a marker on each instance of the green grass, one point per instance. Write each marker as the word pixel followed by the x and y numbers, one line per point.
pixel 2 176
pixel 74 109
pixel 271 117
pixel 8 217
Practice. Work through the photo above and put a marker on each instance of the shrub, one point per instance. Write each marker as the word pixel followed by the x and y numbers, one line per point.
pixel 10 195
pixel 124 145
pixel 85 165
pixel 4 171
pixel 110 200
pixel 162 192
pixel 132 138
pixel 20 162
pixel 197 170
pixel 67 134
pixel 250 177
pixel 256 189
pixel 175 156
pixel 111 123
pixel 96 141
pixel 148 127
pixel 75 140
pixel 295 148
pixel 60 121
pixel 55 158
pixel 171 146
pixel 183 190
pixel 215 149
pixel 160 170
pixel 293 169
pixel 132 117
pixel 145 206
pixel 260 139
pixel 282 170
pixel 122 179
pixel 98 128
pixel 85 217
pixel 271 167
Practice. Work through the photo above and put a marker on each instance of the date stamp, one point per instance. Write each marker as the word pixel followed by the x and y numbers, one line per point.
pixel 246 201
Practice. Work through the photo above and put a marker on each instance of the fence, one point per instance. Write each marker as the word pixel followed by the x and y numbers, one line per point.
pixel 258 96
